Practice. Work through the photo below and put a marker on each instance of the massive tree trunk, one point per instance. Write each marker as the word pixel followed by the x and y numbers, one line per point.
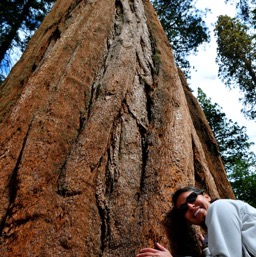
pixel 98 129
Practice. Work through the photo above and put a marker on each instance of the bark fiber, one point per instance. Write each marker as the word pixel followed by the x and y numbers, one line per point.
pixel 98 129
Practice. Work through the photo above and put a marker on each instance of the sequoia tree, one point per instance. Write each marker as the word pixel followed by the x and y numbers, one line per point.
pixel 98 129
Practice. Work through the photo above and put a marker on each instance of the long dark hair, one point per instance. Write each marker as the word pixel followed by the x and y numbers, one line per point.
pixel 179 231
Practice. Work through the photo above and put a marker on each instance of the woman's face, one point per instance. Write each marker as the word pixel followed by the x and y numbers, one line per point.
pixel 197 210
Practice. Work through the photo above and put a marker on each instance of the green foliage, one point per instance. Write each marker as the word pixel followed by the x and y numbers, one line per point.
pixel 234 148
pixel 236 59
pixel 184 27
pixel 18 20
pixel 243 180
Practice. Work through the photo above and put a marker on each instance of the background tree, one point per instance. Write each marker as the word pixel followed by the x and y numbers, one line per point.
pixel 236 40
pixel 184 27
pixel 234 147
pixel 18 20
pixel 245 9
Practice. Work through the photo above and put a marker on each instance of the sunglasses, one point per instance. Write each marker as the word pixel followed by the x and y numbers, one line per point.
pixel 190 199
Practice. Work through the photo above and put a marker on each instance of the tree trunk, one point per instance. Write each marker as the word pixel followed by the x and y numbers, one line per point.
pixel 96 135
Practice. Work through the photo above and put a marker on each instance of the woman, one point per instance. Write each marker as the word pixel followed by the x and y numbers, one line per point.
pixel 231 224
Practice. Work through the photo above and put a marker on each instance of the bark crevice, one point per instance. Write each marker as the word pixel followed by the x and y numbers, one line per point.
pixel 13 183
pixel 143 129
pixel 62 187
pixel 105 223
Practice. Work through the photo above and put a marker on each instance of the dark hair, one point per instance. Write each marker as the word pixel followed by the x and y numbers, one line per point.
pixel 184 189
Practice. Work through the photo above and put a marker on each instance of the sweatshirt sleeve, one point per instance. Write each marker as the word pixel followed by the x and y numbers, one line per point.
pixel 224 229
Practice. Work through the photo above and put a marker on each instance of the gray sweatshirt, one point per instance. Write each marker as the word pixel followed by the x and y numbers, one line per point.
pixel 231 228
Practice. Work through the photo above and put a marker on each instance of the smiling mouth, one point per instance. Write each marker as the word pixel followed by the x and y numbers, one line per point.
pixel 196 212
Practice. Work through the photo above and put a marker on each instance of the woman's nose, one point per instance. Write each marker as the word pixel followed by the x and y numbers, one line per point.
pixel 190 205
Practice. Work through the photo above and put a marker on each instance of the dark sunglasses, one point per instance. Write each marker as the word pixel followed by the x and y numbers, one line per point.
pixel 190 199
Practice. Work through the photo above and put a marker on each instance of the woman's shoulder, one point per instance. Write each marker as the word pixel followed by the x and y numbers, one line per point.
pixel 224 208
pixel 228 206
pixel 220 203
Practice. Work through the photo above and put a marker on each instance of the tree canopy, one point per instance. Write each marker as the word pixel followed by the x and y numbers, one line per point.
pixel 18 20
pixel 236 54
pixel 184 26
pixel 236 59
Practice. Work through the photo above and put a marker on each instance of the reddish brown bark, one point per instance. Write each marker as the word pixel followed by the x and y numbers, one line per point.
pixel 96 135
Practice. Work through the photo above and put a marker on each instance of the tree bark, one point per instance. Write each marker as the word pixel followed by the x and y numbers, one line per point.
pixel 98 129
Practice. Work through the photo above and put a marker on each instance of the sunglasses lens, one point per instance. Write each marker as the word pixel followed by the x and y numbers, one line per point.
pixel 190 199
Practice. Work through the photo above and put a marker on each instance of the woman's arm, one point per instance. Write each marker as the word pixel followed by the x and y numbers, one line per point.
pixel 224 229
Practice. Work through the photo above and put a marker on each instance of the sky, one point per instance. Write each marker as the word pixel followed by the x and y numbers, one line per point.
pixel 205 74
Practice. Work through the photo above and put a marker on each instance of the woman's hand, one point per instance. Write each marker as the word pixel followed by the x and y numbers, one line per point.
pixel 201 240
pixel 160 252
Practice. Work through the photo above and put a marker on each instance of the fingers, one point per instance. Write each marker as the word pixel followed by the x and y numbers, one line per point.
pixel 201 237
pixel 147 252
pixel 160 247
pixel 150 252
